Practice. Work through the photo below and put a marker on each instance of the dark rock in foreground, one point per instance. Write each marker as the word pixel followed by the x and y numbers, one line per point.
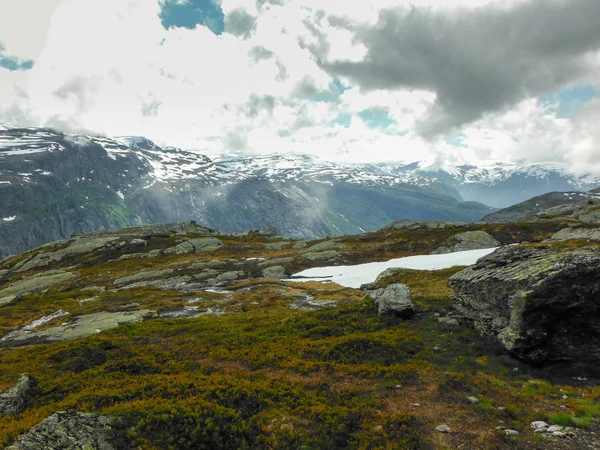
pixel 69 431
pixel 541 304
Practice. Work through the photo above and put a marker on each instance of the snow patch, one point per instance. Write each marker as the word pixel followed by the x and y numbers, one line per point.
pixel 9 219
pixel 355 276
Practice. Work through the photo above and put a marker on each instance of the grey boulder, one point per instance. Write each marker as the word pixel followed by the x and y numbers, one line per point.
pixel 13 401
pixel 393 299
pixel 540 304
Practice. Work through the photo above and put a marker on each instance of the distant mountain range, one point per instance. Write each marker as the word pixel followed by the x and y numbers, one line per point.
pixel 497 184
pixel 53 185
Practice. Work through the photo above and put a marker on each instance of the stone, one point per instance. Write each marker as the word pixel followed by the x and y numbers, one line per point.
pixel 35 284
pixel 4 272
pixel 587 234
pixel 559 434
pixel 553 428
pixel 13 401
pixel 275 262
pixel 130 256
pixel 138 243
pixel 540 304
pixel 154 253
pixel 145 275
pixel 323 246
pixel 69 431
pixel 443 429
pixel 469 240
pixel 539 425
pixel 511 432
pixel 321 256
pixel 473 400
pixel 82 326
pixel 229 276
pixel 198 245
pixel 9 300
pixel 277 245
pixel 393 299
pixel 274 272
pixel 448 321
pixel 78 246
pixel 300 245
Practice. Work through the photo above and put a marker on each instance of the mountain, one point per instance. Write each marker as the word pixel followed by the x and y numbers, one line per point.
pixel 497 184
pixel 53 185
pixel 581 206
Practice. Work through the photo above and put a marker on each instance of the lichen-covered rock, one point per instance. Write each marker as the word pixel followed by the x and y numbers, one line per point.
pixel 78 246
pixel 146 275
pixel 199 245
pixel 13 401
pixel 69 431
pixel 82 326
pixel 469 240
pixel 324 246
pixel 35 284
pixel 393 299
pixel 541 304
pixel 321 256
pixel 587 234
pixel 274 272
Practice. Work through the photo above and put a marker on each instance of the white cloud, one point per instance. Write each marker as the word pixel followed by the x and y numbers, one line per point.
pixel 110 67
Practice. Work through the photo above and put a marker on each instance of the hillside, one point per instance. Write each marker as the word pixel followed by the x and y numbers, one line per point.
pixel 577 205
pixel 177 336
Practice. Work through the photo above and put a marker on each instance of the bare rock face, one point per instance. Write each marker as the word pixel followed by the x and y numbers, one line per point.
pixel 541 304
pixel 14 400
pixel 393 299
pixel 69 431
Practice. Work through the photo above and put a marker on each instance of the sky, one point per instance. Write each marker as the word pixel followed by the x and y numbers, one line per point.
pixel 440 81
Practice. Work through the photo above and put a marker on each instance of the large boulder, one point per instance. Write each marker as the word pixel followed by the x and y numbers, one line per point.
pixel 541 304
pixel 393 299
pixel 469 240
pixel 13 401
pixel 69 431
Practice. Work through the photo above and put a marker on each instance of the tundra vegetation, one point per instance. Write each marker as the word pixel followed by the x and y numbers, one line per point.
pixel 252 366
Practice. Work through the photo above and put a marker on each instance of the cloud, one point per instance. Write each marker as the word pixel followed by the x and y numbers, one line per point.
pixel 348 81
pixel 476 61
pixel 13 63
pixel 239 23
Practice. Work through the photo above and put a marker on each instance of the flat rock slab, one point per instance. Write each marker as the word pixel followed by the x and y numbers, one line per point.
pixel 78 246
pixel 81 327
pixel 35 284
pixel 69 431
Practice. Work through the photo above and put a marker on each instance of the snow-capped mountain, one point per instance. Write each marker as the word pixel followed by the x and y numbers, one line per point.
pixel 498 184
pixel 52 185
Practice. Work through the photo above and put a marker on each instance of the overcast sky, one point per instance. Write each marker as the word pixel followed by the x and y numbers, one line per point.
pixel 378 80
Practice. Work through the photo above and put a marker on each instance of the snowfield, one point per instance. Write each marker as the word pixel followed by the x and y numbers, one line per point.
pixel 355 276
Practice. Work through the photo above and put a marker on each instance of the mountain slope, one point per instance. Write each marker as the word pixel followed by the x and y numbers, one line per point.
pixel 53 185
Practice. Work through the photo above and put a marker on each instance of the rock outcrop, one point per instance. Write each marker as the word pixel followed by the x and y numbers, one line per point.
pixel 13 401
pixel 69 431
pixel 540 304
pixel 82 326
pixel 469 240
pixel 393 299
